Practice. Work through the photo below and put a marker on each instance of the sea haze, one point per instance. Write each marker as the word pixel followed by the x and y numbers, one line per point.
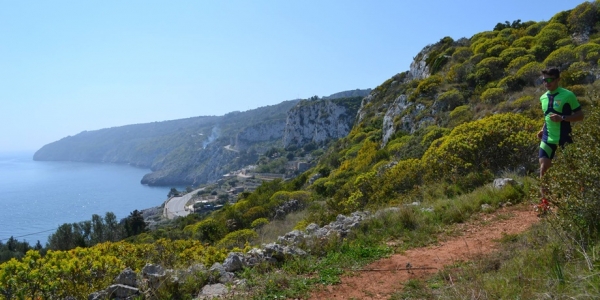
pixel 37 197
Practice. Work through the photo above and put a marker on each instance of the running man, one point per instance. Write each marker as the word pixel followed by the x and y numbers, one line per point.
pixel 560 107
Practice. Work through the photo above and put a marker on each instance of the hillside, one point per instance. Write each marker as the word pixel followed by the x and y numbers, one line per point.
pixel 419 159
pixel 201 149
pixel 171 149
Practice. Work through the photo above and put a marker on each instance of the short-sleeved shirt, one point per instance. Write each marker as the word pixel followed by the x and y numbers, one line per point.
pixel 562 102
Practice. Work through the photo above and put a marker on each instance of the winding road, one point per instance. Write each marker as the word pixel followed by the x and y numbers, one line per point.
pixel 176 206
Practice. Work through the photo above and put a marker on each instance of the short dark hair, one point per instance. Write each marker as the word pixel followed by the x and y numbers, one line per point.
pixel 554 72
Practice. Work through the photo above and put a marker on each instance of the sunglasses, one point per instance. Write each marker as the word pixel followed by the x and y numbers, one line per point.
pixel 549 79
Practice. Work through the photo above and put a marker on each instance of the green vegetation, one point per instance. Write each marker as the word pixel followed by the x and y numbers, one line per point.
pixel 474 118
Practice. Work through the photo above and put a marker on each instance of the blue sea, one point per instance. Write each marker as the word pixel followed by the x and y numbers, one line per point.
pixel 37 197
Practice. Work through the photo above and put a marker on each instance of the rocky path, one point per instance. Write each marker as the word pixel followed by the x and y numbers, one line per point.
pixel 384 277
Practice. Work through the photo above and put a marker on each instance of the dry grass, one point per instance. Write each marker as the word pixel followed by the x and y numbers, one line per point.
pixel 271 231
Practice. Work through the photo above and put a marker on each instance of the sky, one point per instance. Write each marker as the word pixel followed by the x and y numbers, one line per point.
pixel 71 66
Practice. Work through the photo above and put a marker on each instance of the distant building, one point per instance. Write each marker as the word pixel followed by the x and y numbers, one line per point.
pixel 302 166
pixel 236 190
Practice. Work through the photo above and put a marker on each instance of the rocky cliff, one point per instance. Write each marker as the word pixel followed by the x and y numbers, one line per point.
pixel 318 121
pixel 264 132
pixel 179 152
pixel 400 112
pixel 198 150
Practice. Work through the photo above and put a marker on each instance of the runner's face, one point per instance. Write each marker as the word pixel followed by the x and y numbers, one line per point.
pixel 551 83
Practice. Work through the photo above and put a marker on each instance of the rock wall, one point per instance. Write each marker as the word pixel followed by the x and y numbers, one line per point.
pixel 407 119
pixel 264 132
pixel 317 121
pixel 402 114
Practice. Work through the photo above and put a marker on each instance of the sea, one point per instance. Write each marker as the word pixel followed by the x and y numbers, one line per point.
pixel 36 197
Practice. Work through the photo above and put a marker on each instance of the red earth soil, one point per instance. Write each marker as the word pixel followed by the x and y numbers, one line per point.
pixel 382 278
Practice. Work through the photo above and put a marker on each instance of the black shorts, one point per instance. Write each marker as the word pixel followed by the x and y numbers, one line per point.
pixel 547 150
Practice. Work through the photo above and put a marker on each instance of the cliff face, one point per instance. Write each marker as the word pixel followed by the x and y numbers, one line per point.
pixel 141 145
pixel 179 152
pixel 406 117
pixel 318 121
pixel 263 132
pixel 205 165
pixel 202 149
pixel 400 113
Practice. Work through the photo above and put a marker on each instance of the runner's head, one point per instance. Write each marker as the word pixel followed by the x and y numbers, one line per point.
pixel 551 77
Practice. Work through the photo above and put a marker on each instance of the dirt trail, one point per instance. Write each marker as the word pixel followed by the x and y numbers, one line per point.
pixel 382 278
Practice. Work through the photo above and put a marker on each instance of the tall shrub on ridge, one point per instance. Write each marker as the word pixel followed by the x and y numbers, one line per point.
pixel 495 143
pixel 574 179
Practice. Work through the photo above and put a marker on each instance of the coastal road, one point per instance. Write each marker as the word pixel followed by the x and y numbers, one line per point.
pixel 176 206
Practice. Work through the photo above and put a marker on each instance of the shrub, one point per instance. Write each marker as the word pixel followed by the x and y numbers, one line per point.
pixel 496 143
pixel 583 18
pixel 587 52
pixel 428 86
pixel 487 44
pixel 476 58
pixel 458 72
pixel 324 187
pixel 554 26
pixel 482 37
pixel 495 50
pixel 576 74
pixel 534 29
pixel 359 137
pixel 564 42
pixel 524 42
pixel 493 95
pixel 511 53
pixel 260 222
pixel 254 213
pixel 400 179
pixel 574 179
pixel 517 63
pixel 546 40
pixel 459 115
pixel 461 54
pixel 480 77
pixel 449 100
pixel 530 72
pixel 511 83
pixel 494 64
pixel 433 133
pixel 578 89
pixel 237 239
pixel 525 102
pixel 561 57
pixel 209 230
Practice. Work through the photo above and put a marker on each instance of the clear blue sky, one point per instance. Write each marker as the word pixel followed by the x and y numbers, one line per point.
pixel 69 66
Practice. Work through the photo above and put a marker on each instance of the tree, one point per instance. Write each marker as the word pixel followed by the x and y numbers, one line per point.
pixel 13 249
pixel 515 24
pixel 114 231
pixel 173 193
pixel 210 230
pixel 98 226
pixel 135 224
pixel 82 232
pixel 12 244
pixel 38 246
pixel 63 238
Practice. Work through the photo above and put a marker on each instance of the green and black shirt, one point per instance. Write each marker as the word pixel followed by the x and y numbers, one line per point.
pixel 562 102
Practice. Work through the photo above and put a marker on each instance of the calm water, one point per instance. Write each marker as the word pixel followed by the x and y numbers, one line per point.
pixel 37 197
